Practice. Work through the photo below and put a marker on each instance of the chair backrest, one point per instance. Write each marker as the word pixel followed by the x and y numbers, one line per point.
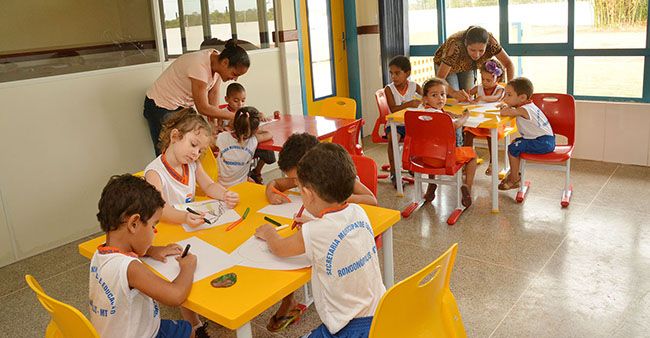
pixel 349 138
pixel 560 110
pixel 380 125
pixel 337 107
pixel 367 172
pixel 422 305
pixel 209 164
pixel 430 137
pixel 66 320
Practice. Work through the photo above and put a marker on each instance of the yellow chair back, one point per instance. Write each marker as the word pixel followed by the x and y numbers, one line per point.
pixel 209 164
pixel 66 320
pixel 422 305
pixel 139 174
pixel 337 107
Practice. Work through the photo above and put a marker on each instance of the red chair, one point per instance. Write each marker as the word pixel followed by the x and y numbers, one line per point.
pixel 349 138
pixel 430 148
pixel 560 109
pixel 367 172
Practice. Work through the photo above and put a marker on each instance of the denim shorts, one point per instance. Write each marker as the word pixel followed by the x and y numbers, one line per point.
pixel 541 145
pixel 401 130
pixel 174 329
pixel 356 328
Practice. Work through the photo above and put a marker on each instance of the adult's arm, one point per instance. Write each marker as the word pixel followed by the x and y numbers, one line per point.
pixel 202 102
pixel 460 95
pixel 505 60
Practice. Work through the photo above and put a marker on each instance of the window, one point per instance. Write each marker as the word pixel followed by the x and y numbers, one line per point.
pixel 611 23
pixel 322 66
pixel 547 73
pixel 423 22
pixel 620 76
pixel 461 14
pixel 538 21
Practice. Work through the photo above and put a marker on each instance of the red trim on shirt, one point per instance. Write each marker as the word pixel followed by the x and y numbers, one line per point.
pixel 103 249
pixel 492 92
pixel 402 92
pixel 333 209
pixel 184 178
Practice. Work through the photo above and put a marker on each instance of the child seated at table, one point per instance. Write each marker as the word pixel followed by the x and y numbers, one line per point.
pixel 340 244
pixel 536 133
pixel 401 93
pixel 237 147
pixel 292 151
pixel 123 292
pixel 488 91
pixel 434 99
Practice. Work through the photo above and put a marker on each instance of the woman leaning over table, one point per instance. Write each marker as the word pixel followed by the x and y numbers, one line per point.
pixel 458 58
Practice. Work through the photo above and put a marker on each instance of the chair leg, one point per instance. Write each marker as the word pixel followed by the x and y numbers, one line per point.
pixel 455 215
pixel 568 188
pixel 524 185
pixel 418 201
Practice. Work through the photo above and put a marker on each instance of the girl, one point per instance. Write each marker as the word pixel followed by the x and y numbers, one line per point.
pixel 488 91
pixel 402 93
pixel 237 148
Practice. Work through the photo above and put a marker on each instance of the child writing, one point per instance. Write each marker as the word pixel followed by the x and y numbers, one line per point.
pixel 402 93
pixel 237 147
pixel 124 292
pixel 292 151
pixel 488 91
pixel 434 98
pixel 339 243
pixel 536 133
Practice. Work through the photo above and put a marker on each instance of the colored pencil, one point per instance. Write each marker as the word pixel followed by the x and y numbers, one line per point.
pixel 294 224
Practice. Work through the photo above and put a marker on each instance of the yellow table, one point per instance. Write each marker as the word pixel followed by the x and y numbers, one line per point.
pixel 493 124
pixel 256 290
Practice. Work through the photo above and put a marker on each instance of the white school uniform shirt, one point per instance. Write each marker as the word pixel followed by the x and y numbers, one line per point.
pixel 173 190
pixel 536 125
pixel 234 158
pixel 410 94
pixel 480 91
pixel 345 274
pixel 115 309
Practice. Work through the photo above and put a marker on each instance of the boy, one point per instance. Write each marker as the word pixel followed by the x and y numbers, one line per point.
pixel 123 292
pixel 292 152
pixel 536 133
pixel 339 243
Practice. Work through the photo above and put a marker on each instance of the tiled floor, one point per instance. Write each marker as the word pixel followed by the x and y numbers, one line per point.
pixel 533 270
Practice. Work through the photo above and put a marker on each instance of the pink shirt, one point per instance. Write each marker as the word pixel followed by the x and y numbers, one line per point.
pixel 173 89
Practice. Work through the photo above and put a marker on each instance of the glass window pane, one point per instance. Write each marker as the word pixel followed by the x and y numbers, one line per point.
pixel 537 21
pixel 547 73
pixel 193 24
pixel 463 13
pixel 320 48
pixel 172 27
pixel 220 20
pixel 616 76
pixel 270 21
pixel 247 24
pixel 611 23
pixel 423 22
pixel 422 69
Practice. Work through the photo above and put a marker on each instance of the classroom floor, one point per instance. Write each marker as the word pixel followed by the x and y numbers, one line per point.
pixel 533 270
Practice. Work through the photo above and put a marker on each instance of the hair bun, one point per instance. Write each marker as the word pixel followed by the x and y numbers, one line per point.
pixel 232 43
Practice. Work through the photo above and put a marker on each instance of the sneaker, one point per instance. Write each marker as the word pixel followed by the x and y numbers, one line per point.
pixel 202 332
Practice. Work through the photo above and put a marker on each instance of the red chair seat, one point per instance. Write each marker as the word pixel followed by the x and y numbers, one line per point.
pixel 560 154
pixel 423 165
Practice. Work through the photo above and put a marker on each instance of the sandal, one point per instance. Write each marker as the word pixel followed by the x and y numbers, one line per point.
pixel 488 171
pixel 466 200
pixel 430 194
pixel 277 324
pixel 507 185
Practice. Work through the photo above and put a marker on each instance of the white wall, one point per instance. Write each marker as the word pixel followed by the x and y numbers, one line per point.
pixel 370 72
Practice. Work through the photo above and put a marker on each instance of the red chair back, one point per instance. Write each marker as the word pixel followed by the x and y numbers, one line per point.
pixel 378 133
pixel 348 138
pixel 431 138
pixel 367 172
pixel 560 110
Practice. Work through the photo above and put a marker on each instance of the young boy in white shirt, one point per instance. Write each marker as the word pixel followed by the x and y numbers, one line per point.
pixel 346 279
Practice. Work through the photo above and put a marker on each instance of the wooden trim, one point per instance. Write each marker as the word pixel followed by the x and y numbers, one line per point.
pixel 286 36
pixel 369 29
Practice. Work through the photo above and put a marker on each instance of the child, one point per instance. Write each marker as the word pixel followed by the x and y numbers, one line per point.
pixel 536 133
pixel 123 292
pixel 235 99
pixel 489 91
pixel 435 97
pixel 340 244
pixel 292 151
pixel 176 171
pixel 237 148
pixel 402 93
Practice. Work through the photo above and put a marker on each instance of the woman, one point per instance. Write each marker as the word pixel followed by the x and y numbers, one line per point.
pixel 458 58
pixel 194 80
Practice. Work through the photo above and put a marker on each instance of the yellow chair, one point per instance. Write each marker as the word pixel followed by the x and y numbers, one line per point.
pixel 337 107
pixel 139 174
pixel 66 320
pixel 209 164
pixel 420 306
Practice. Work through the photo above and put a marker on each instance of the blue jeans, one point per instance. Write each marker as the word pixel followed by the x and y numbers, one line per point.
pixel 541 145
pixel 155 117
pixel 463 80
pixel 356 328
pixel 174 329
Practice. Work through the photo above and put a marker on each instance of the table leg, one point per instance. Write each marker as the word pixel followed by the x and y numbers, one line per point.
pixel 495 169
pixel 389 271
pixel 397 157
pixel 245 331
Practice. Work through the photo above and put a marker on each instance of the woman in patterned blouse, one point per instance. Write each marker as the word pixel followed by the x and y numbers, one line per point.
pixel 458 58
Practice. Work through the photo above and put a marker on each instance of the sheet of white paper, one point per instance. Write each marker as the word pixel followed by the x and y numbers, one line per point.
pixel 286 210
pixel 484 107
pixel 255 253
pixel 474 121
pixel 210 260
pixel 215 211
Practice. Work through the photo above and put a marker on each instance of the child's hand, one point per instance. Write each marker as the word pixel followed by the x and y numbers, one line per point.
pixel 160 253
pixel 466 113
pixel 194 220
pixel 302 218
pixel 461 96
pixel 231 198
pixel 502 105
pixel 265 232
pixel 413 103
pixel 187 262
pixel 275 198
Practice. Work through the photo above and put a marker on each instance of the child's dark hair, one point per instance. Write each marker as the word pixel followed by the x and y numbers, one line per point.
pixel 328 170
pixel 234 88
pixel 294 149
pixel 401 62
pixel 246 122
pixel 184 120
pixel 236 55
pixel 476 34
pixel 124 196
pixel 522 86
pixel 430 83
pixel 494 67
